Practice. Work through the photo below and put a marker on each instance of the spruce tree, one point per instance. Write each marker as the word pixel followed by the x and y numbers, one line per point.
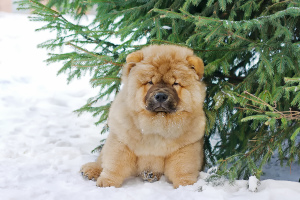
pixel 251 49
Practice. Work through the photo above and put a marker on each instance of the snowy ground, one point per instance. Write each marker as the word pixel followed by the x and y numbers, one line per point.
pixel 43 143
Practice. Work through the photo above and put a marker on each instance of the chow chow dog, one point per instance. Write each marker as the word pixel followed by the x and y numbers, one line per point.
pixel 156 121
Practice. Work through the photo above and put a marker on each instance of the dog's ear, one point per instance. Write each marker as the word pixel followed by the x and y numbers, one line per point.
pixel 131 61
pixel 197 64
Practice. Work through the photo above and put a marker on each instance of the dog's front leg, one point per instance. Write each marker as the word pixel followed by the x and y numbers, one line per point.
pixel 118 163
pixel 182 167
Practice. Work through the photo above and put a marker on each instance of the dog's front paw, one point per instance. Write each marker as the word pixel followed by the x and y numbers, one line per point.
pixel 107 182
pixel 91 170
pixel 150 176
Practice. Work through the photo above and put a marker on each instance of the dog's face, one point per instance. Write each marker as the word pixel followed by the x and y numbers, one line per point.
pixel 163 79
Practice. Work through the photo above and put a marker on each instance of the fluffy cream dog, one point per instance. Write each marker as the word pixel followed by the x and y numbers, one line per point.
pixel 156 121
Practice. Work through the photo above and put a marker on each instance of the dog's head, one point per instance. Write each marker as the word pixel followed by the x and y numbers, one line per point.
pixel 163 78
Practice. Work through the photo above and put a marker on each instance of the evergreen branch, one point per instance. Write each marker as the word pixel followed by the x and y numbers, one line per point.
pixel 260 101
pixel 107 78
pixel 104 63
pixel 292 80
pixel 297 131
pixel 220 49
pixel 195 49
pixel 275 4
pixel 84 50
pixel 230 33
pixel 40 5
pixel 77 27
pixel 289 115
pixel 166 42
pixel 171 14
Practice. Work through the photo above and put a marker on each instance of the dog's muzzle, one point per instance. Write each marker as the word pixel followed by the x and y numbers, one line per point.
pixel 161 98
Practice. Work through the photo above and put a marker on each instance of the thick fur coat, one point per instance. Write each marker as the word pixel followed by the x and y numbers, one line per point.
pixel 156 121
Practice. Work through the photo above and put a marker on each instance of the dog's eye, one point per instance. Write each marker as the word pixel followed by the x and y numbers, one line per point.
pixel 150 82
pixel 175 83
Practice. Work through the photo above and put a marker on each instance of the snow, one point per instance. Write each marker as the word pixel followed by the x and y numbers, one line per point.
pixel 253 183
pixel 43 143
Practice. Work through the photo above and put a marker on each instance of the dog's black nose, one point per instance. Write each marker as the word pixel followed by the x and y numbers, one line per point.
pixel 161 97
